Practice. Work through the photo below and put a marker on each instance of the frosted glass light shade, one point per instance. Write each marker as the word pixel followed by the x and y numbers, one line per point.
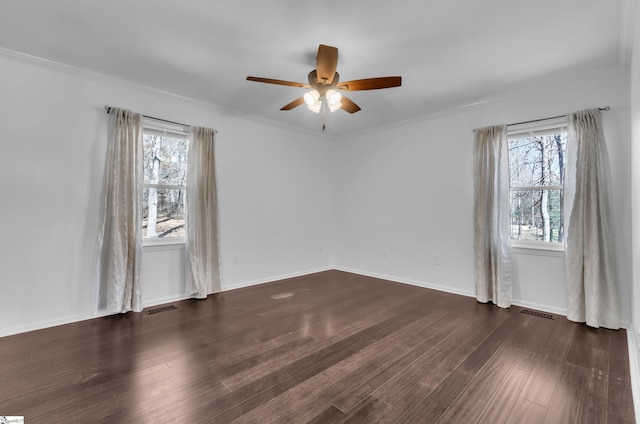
pixel 311 97
pixel 333 97
pixel 334 107
pixel 315 107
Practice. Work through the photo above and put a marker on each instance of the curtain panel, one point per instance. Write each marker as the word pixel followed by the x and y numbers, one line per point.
pixel 590 257
pixel 492 244
pixel 120 234
pixel 202 256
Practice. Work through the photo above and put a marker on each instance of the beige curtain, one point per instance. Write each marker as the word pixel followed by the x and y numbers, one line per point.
pixel 120 235
pixel 203 264
pixel 492 243
pixel 590 257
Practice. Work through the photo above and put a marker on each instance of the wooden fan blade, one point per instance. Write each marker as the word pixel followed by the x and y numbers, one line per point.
pixel 278 82
pixel 326 63
pixel 297 102
pixel 370 84
pixel 349 105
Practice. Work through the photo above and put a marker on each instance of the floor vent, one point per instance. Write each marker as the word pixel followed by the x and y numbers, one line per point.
pixel 161 309
pixel 536 313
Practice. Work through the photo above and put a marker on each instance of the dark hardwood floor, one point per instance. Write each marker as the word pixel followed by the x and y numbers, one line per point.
pixel 324 348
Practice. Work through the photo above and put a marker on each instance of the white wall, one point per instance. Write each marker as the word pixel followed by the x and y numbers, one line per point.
pixel 409 190
pixel 276 193
pixel 634 348
pixel 290 202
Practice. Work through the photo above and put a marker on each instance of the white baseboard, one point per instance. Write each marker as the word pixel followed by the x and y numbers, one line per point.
pixel 539 307
pixel 468 293
pixel 423 284
pixel 447 289
pixel 163 300
pixel 40 325
pixel 274 278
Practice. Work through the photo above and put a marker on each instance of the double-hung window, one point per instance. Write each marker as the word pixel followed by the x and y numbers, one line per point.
pixel 537 164
pixel 165 176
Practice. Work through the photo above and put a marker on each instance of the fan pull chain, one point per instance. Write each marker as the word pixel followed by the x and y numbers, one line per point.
pixel 324 116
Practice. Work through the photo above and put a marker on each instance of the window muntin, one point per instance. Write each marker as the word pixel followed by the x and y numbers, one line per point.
pixel 165 150
pixel 537 164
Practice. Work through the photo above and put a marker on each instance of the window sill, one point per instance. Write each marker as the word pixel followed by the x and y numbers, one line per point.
pixel 154 245
pixel 541 249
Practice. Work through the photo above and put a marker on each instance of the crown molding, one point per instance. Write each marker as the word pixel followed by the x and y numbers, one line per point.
pixel 98 77
pixel 628 6
pixel 477 103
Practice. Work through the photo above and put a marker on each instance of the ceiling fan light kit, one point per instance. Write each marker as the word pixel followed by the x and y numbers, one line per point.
pixel 315 107
pixel 324 84
pixel 311 97
pixel 334 107
pixel 333 97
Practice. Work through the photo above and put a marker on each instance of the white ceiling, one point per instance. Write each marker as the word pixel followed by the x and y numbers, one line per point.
pixel 450 53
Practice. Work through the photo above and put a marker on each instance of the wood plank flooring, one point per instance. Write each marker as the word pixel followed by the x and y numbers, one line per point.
pixel 331 347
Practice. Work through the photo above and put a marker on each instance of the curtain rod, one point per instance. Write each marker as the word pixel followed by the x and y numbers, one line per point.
pixel 546 119
pixel 108 109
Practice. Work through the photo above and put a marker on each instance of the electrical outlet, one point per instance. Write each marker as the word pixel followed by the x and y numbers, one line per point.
pixel 436 259
pixel 235 259
pixel 385 253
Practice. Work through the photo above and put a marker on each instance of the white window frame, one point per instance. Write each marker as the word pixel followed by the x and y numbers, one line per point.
pixel 550 126
pixel 159 127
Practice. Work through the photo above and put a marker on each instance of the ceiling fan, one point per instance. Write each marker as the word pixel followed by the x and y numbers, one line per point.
pixel 325 85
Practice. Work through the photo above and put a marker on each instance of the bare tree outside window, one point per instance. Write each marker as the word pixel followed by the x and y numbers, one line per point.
pixel 165 177
pixel 537 167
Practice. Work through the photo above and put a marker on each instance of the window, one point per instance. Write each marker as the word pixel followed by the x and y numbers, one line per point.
pixel 537 158
pixel 165 176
